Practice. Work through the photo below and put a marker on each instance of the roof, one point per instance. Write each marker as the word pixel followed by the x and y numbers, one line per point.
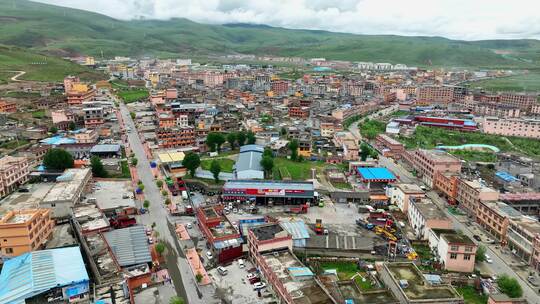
pixel 296 229
pixel 57 140
pixel 455 238
pixel 249 158
pixel 267 231
pixel 525 196
pixel 300 271
pixel 171 157
pixel 36 272
pixel 376 174
pixel 105 149
pixel 505 176
pixel 129 245
pixel 267 184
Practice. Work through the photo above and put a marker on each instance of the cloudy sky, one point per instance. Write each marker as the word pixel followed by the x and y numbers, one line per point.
pixel 457 19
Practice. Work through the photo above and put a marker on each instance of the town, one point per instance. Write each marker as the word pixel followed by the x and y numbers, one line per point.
pixel 320 182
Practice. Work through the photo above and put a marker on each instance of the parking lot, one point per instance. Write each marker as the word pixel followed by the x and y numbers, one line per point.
pixel 235 287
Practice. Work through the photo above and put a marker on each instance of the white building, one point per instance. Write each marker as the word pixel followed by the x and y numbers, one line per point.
pixel 423 215
pixel 66 192
pixel 400 194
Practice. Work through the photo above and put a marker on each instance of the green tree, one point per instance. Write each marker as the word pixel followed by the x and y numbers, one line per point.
pixel 146 204
pixel 509 286
pixel 215 168
pixel 167 201
pixel 293 147
pixel 268 152
pixel 132 114
pixel 198 277
pixel 267 163
pixel 134 161
pixel 159 183
pixel 160 248
pixel 251 139
pixel 480 254
pixel 283 131
pixel 141 186
pixel 164 193
pixel 58 159
pixel 231 139
pixel 98 170
pixel 72 126
pixel 365 151
pixel 177 300
pixel 53 130
pixel 214 140
pixel 241 138
pixel 191 162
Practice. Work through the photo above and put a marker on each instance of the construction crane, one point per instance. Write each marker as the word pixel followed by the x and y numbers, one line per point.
pixel 387 234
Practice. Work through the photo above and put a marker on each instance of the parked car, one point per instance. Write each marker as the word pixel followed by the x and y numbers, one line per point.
pixel 189 226
pixel 251 275
pixel 254 280
pixel 150 240
pixel 209 255
pixel 222 270
pixel 532 280
pixel 489 241
pixel 488 259
pixel 241 263
pixel 23 190
pixel 259 285
pixel 477 237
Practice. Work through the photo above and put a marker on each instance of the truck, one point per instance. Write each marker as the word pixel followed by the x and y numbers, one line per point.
pixel 184 195
pixel 302 209
pixel 319 226
pixel 364 224
pixel 122 221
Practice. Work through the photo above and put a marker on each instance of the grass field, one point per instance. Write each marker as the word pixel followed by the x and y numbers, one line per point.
pixel 472 296
pixel 521 83
pixel 132 95
pixel 345 186
pixel 429 138
pixel 346 270
pixel 41 67
pixel 475 156
pixel 370 128
pixel 297 170
pixel 38 114
pixel 12 144
pixel 225 163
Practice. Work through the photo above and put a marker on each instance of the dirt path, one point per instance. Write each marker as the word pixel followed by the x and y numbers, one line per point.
pixel 19 74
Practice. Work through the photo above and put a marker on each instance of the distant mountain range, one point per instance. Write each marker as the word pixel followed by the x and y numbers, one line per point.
pixel 66 32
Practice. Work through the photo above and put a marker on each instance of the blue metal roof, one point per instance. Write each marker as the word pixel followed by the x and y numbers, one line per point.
pixel 129 245
pixel 376 174
pixel 58 140
pixel 300 272
pixel 33 273
pixel 505 176
pixel 297 229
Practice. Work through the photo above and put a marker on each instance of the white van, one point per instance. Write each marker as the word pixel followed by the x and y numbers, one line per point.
pixel 241 263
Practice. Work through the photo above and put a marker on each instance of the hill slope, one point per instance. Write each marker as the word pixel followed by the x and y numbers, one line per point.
pixel 68 31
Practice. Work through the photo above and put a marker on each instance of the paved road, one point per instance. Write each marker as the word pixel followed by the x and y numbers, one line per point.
pixel 185 283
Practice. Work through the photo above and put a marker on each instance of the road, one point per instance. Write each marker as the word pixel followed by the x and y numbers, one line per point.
pixel 353 128
pixel 19 74
pixel 185 282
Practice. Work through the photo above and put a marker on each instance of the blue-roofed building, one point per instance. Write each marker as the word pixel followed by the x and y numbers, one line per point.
pixel 248 165
pixel 376 175
pixel 57 140
pixel 298 230
pixel 36 274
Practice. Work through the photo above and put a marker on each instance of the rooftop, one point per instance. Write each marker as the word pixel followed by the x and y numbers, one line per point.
pixel 428 209
pixel 267 232
pixel 456 238
pixel 440 156
pixel 249 158
pixel 410 188
pixel 129 245
pixel 67 185
pixel 171 157
pixel 374 174
pixel 268 184
pixel 113 195
pixel 105 149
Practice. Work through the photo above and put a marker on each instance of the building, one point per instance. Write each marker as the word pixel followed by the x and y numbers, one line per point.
pixel 445 183
pixel 86 136
pixel 280 87
pixel 248 164
pixel 268 237
pixel 440 94
pixel 423 215
pixel 175 137
pixel 106 150
pixel 13 173
pixel 346 142
pixel 501 298
pixel 7 107
pixel 410 286
pixel 522 101
pixel 456 252
pixel 400 194
pixel 446 123
pixel 79 93
pixel 470 193
pixel 24 231
pixel 527 203
pixel 373 175
pixel 427 163
pixel 29 277
pixel 495 217
pixel 268 192
pixel 129 245
pixel 299 112
pixel 67 191
pixel 512 127
pixel 93 117
pixel 222 236
pixel 389 147
pixel 522 239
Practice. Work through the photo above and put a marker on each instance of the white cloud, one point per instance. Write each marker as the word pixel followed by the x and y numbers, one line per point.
pixel 457 19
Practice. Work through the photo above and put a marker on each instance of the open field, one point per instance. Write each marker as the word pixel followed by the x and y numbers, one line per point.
pixel 225 163
pixel 526 82
pixel 472 296
pixel 132 95
pixel 296 170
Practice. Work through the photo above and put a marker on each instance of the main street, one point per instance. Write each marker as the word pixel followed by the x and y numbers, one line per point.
pixel 185 283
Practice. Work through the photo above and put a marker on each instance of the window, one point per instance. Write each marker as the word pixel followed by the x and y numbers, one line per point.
pixel 9 250
pixel 467 257
pixel 453 256
pixel 53 205
pixel 454 247
pixel 468 248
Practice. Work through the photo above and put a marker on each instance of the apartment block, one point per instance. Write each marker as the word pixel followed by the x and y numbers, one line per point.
pixel 445 184
pixel 495 217
pixel 13 173
pixel 93 117
pixel 522 239
pixel 400 194
pixel 268 237
pixel 346 141
pixel 299 112
pixel 23 231
pixel 456 252
pixel 522 101
pixel 470 193
pixel 423 215
pixel 175 137
pixel 7 107
pixel 389 146
pixel 280 87
pixel 440 94
pixel 427 163
pixel 512 127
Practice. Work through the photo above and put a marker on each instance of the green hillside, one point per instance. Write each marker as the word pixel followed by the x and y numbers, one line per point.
pixel 65 31
pixel 40 67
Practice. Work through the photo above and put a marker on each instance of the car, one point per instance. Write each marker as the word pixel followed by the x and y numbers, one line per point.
pixel 489 241
pixel 477 237
pixel 209 255
pixel 235 210
pixel 222 271
pixel 150 240
pixel 241 263
pixel 259 285
pixel 251 275
pixel 488 259
pixel 189 226
pixel 254 280
pixel 532 280
pixel 23 190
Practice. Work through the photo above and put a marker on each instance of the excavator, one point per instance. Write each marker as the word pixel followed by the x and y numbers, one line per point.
pixel 387 234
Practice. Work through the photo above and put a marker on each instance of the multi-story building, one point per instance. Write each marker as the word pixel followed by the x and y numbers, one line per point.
pixel 400 194
pixel 268 237
pixel 7 107
pixel 456 252
pixel 166 120
pixel 87 136
pixel 79 93
pixel 327 129
pixel 495 217
pixel 280 87
pixel 445 183
pixel 389 146
pixel 348 143
pixel 522 239
pixel 93 117
pixel 522 101
pixel 175 137
pixel 470 193
pixel 67 191
pixel 26 230
pixel 440 94
pixel 299 112
pixel 512 127
pixel 423 215
pixel 69 81
pixel 13 173
pixel 427 163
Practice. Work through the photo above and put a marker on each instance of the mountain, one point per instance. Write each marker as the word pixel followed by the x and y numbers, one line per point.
pixel 65 31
